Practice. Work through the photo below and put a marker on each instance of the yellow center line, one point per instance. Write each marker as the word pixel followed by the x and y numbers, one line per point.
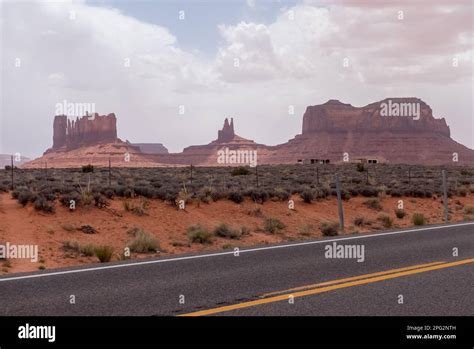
pixel 326 288
pixel 366 276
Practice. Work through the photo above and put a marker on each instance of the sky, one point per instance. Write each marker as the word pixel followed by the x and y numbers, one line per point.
pixel 171 71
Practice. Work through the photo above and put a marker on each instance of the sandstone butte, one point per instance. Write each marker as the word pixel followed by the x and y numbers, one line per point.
pixel 329 131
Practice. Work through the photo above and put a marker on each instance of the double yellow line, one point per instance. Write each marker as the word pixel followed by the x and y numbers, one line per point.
pixel 332 285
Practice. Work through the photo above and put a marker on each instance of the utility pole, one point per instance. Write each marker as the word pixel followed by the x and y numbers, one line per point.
pixel 339 204
pixel 12 169
pixel 445 197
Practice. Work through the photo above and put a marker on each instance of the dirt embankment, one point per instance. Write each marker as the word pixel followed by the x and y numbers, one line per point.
pixel 113 225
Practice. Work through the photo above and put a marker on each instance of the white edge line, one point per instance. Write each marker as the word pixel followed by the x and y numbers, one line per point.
pixel 230 252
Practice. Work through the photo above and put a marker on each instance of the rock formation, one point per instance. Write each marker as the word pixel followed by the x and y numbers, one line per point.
pixel 227 133
pixel 394 130
pixel 334 116
pixel 151 148
pixel 207 155
pixel 88 130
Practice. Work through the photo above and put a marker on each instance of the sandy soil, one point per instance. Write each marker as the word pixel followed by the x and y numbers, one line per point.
pixel 19 225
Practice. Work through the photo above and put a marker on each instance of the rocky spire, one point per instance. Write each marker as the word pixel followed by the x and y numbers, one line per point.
pixel 227 132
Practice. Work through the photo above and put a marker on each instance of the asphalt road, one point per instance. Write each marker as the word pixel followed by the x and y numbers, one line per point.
pixel 405 272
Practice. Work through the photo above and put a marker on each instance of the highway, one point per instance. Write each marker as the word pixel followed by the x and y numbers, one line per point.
pixel 403 272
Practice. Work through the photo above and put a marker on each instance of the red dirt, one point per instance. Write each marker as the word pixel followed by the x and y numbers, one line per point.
pixel 21 225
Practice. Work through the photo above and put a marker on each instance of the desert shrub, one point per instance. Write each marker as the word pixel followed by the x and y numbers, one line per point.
pixel 48 193
pixel 321 193
pixel 235 196
pixel 68 227
pixel 41 204
pixel 196 233
pixel 87 229
pixel 128 193
pixel 139 209
pixel 419 219
pixel 360 167
pixel 65 199
pixel 258 195
pixel 143 242
pixel 240 171
pixel 203 198
pixel 400 213
pixel 223 230
pixel 217 195
pixel 462 192
pixel 87 250
pixel 306 230
pixel 26 196
pixel 100 200
pixel 87 168
pixel 145 191
pixel 16 192
pixel 74 246
pixel 395 193
pixel 469 209
pixel 385 219
pixel 108 193
pixel 280 194
pixel 118 190
pixel 244 231
pixel 307 195
pixel 256 212
pixel 359 221
pixel 368 192
pixel 373 204
pixel 273 225
pixel 329 228
pixel 104 253
pixel 345 195
pixel 71 246
pixel 87 197
pixel 469 217
pixel 418 193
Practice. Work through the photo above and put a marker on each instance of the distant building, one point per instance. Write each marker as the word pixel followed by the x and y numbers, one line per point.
pixel 313 161
pixel 369 160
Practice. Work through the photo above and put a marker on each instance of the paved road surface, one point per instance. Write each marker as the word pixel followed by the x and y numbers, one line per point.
pixel 289 279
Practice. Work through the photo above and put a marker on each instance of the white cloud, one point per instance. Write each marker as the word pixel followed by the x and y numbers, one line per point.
pixel 295 60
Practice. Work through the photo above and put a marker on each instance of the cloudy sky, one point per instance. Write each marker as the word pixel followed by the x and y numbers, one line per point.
pixel 252 60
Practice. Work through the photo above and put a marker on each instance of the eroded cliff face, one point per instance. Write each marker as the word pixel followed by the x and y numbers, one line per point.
pixel 395 130
pixel 88 130
pixel 395 115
